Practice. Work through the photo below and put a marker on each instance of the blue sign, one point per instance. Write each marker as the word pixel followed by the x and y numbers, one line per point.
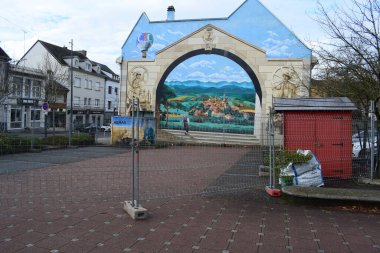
pixel 45 106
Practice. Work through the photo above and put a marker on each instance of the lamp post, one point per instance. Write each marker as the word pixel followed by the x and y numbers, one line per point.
pixel 5 118
pixel 71 94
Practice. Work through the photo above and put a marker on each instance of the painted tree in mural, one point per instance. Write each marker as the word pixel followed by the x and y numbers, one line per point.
pixel 166 93
pixel 350 61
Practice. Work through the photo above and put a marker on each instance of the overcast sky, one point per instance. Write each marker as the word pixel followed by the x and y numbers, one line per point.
pixel 101 27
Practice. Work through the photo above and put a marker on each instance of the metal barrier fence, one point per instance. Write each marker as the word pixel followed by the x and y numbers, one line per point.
pixel 179 164
pixel 344 148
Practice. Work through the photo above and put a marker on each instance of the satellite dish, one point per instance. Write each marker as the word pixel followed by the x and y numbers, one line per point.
pixel 286 83
pixel 144 42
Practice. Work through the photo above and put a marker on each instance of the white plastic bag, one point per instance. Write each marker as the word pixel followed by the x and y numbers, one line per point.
pixel 308 174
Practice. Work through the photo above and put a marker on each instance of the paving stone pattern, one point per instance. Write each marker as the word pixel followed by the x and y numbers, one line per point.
pixel 82 212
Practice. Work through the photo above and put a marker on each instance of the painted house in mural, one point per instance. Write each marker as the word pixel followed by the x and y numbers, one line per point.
pixel 221 72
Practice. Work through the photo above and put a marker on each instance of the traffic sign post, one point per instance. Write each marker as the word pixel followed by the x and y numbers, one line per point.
pixel 45 106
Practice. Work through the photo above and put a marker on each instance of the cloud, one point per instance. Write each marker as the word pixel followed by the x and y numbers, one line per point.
pixel 175 76
pixel 161 37
pixel 228 69
pixel 107 24
pixel 196 74
pixel 203 64
pixel 279 47
pixel 272 34
pixel 217 77
pixel 183 65
pixel 178 33
pixel 211 77
pixel 53 19
pixel 156 47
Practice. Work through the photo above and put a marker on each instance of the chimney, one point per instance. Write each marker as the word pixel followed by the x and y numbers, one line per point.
pixel 171 13
pixel 84 52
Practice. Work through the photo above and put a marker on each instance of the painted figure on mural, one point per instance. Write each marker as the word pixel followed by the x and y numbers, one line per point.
pixel 287 88
pixel 149 135
pixel 186 124
pixel 285 83
pixel 137 89
pixel 136 84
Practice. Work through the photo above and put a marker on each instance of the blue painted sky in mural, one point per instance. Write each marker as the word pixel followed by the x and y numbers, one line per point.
pixel 251 22
pixel 209 68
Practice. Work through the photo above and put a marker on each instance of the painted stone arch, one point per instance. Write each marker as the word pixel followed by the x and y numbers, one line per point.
pixel 206 114
pixel 213 40
pixel 210 39
pixel 215 51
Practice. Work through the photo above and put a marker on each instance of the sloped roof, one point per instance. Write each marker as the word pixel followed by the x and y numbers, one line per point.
pixel 314 104
pixel 4 56
pixel 104 67
pixel 60 53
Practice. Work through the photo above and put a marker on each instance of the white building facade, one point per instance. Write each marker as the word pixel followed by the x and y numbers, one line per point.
pixel 22 107
pixel 111 94
pixel 88 81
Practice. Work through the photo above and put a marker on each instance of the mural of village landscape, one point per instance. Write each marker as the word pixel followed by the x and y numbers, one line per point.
pixel 214 92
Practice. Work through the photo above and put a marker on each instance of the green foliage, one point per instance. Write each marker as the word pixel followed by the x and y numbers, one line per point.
pixel 11 144
pixel 83 139
pixel 55 141
pixel 77 140
pixel 207 126
pixel 283 158
pixel 166 93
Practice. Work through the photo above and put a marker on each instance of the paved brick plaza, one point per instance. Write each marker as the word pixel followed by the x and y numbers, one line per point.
pixel 77 207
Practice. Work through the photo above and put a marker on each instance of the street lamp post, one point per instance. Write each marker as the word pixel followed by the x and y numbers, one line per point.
pixel 71 95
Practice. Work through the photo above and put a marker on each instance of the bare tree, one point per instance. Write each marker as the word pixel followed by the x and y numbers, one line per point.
pixel 56 77
pixel 350 60
pixel 5 84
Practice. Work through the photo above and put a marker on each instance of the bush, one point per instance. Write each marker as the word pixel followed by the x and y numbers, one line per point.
pixel 77 140
pixel 283 158
pixel 83 139
pixel 10 144
pixel 55 141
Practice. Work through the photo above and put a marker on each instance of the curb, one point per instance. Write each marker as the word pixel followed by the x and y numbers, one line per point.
pixel 333 193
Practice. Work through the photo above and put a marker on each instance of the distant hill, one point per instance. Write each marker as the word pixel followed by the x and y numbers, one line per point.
pixel 197 87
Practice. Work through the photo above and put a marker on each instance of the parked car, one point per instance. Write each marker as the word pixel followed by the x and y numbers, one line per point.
pixel 106 128
pixel 79 127
pixel 92 128
pixel 358 149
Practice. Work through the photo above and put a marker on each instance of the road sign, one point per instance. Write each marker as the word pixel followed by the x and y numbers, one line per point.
pixel 45 106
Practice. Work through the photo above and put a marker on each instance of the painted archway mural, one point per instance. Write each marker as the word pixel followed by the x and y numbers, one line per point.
pixel 276 62
pixel 217 91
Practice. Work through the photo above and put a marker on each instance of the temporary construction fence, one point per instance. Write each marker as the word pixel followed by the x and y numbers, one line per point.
pixel 174 166
pixel 341 148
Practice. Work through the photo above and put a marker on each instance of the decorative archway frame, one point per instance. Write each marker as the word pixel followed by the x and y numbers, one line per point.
pixel 213 40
